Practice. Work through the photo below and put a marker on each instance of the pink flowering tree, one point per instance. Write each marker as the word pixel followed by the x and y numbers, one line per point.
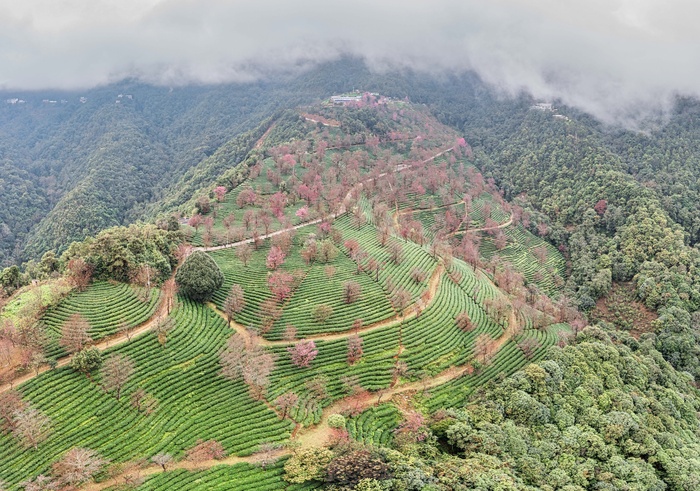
pixel 220 193
pixel 277 203
pixel 275 258
pixel 302 213
pixel 303 353
pixel 280 284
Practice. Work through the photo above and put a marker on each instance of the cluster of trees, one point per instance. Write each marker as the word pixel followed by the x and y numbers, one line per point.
pixel 612 227
pixel 143 253
pixel 604 412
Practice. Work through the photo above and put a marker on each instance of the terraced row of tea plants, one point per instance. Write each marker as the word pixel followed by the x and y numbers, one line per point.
pixel 106 306
pixel 539 261
pixel 320 284
pixel 190 401
pixel 239 477
pixel 430 343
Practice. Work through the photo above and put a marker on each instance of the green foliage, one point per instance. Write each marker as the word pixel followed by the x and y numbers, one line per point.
pixel 86 360
pixel 336 421
pixel 199 277
pixel 594 412
pixel 307 464
pixel 678 339
pixel 116 253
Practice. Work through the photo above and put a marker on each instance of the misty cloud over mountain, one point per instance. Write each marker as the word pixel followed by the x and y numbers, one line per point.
pixel 618 59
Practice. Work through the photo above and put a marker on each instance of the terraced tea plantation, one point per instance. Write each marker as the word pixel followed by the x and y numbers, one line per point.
pixel 106 307
pixel 239 477
pixel 191 401
pixel 349 306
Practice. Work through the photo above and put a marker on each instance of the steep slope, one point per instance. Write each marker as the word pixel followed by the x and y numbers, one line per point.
pixel 422 313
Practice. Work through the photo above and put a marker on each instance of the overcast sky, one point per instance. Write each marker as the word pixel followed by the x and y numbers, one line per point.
pixel 610 57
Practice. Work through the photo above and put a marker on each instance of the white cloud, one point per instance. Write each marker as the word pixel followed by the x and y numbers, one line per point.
pixel 610 57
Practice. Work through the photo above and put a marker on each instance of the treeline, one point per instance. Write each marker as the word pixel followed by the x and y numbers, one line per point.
pixel 613 228
pixel 130 160
pixel 604 412
pixel 140 253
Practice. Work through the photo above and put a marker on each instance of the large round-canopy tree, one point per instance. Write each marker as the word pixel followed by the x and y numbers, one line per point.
pixel 199 277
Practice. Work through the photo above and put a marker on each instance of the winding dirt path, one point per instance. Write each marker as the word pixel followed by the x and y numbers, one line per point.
pixel 342 209
pixel 483 229
pixel 151 469
pixel 410 312
pixel 108 342
pixel 311 436
pixel 317 435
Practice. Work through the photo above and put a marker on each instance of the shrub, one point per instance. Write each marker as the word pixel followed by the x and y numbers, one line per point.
pixel 87 360
pixel 199 277
pixel 336 421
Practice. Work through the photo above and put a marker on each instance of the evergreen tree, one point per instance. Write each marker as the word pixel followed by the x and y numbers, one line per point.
pixel 199 277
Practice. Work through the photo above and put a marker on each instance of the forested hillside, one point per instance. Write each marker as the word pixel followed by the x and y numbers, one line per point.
pixel 72 168
pixel 475 292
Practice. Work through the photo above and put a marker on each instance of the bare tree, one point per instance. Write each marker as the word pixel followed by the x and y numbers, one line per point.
pixel 351 291
pixel 143 401
pixel 123 328
pixel 395 252
pixel 482 347
pixel 31 427
pixel 74 333
pixel 354 348
pixel 528 346
pixel 400 370
pixel 350 384
pixel 285 402
pixel 244 253
pixel 39 483
pixel 247 361
pixel 10 403
pixel 318 386
pixel 418 275
pixel 162 459
pixel 290 333
pixel 204 451
pixel 464 322
pixel 78 466
pixel 143 275
pixel 257 370
pixel 234 303
pixel 79 272
pixel 170 292
pixel 322 313
pixel 266 454
pixel 37 360
pixel 234 357
pixel 161 329
pixel 400 300
pixel 116 372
